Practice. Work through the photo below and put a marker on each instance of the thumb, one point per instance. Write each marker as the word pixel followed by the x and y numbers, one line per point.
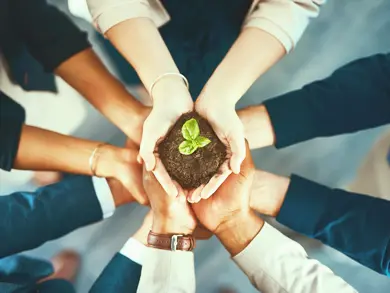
pixel 237 145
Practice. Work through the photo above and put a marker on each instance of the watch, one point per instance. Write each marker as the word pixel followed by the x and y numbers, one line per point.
pixel 171 242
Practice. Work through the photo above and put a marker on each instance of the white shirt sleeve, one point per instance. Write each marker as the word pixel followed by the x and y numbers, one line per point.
pixel 166 271
pixel 104 195
pixel 286 20
pixel 134 250
pixel 275 263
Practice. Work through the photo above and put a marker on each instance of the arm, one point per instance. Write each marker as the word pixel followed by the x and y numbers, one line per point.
pixel 61 47
pixel 12 117
pixel 336 105
pixel 33 148
pixel 29 219
pixel 166 271
pixel 272 29
pixel 86 74
pixel 275 263
pixel 333 216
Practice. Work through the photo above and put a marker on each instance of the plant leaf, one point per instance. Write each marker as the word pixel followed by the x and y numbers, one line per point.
pixel 187 147
pixel 190 129
pixel 202 141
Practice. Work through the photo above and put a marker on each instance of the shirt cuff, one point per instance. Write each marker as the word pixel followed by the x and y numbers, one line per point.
pixel 104 195
pixel 134 250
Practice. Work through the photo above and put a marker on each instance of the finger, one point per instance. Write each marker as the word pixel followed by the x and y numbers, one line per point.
pixel 140 195
pixel 216 181
pixel 165 180
pixel 148 143
pixel 181 193
pixel 237 144
pixel 195 195
pixel 247 164
pixel 137 191
pixel 139 159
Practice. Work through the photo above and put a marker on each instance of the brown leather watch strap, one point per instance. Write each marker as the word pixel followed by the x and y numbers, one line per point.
pixel 171 242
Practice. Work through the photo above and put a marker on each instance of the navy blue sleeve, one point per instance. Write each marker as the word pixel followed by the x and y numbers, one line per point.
pixel 12 117
pixel 355 97
pixel 357 225
pixel 121 275
pixel 29 219
pixel 49 34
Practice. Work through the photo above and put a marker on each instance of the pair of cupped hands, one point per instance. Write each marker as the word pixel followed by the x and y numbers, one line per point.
pixel 167 109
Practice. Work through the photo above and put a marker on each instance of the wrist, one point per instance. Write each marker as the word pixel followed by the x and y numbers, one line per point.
pixel 257 126
pixel 109 159
pixel 171 225
pixel 268 193
pixel 170 88
pixel 236 233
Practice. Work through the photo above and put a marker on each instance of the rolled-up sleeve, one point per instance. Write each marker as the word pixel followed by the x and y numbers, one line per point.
pixel 12 117
pixel 286 20
pixel 108 13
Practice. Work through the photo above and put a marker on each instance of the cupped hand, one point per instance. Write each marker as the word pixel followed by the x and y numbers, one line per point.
pixel 167 108
pixel 231 200
pixel 171 215
pixel 229 129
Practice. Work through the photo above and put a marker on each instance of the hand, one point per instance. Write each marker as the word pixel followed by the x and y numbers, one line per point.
pixel 230 131
pixel 268 193
pixel 227 213
pixel 230 201
pixel 121 164
pixel 169 103
pixel 171 215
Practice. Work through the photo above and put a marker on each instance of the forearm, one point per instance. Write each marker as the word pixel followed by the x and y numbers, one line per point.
pixel 140 42
pixel 337 218
pixel 253 53
pixel 44 150
pixel 161 266
pixel 336 105
pixel 275 263
pixel 29 219
pixel 86 73
pixel 323 213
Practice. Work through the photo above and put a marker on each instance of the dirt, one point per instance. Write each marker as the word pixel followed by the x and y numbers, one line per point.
pixel 193 170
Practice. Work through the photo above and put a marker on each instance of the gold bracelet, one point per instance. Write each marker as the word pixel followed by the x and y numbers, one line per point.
pixel 165 75
pixel 93 158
